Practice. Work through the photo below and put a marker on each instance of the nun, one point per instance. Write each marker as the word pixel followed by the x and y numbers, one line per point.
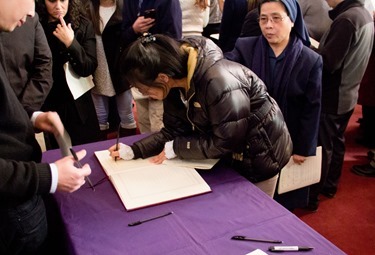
pixel 292 72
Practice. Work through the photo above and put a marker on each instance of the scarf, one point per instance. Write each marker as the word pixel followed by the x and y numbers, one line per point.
pixel 261 66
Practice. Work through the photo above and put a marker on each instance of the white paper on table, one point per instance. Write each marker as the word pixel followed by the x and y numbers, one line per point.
pixel 140 183
pixel 294 176
pixel 77 85
pixel 257 252
pixel 202 164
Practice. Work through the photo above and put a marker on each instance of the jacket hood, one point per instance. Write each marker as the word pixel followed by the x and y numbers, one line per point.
pixel 208 53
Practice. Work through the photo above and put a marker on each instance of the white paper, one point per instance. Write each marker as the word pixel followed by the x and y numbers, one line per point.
pixel 314 43
pixel 257 252
pixel 204 164
pixel 294 176
pixel 77 85
pixel 140 183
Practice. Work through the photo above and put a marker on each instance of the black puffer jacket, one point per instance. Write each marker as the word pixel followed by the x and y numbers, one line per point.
pixel 229 114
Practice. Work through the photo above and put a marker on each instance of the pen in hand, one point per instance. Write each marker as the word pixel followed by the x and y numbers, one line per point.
pixel 80 166
pixel 153 218
pixel 118 138
pixel 244 238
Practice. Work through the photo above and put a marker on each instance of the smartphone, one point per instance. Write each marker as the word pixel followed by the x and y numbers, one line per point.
pixel 150 13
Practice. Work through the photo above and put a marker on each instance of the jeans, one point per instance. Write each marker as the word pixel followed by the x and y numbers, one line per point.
pixel 23 229
pixel 124 108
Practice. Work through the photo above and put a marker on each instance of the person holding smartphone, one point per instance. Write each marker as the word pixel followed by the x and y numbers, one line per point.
pixel 156 17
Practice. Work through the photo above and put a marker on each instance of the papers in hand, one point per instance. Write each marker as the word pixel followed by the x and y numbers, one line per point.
pixel 77 85
pixel 140 183
pixel 294 176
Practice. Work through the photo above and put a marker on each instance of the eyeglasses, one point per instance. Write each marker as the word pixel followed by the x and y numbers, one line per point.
pixel 274 19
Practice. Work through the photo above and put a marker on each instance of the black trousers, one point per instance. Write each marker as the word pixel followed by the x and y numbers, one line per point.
pixel 368 124
pixel 23 229
pixel 331 137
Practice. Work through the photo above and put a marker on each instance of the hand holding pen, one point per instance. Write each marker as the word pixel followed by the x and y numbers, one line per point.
pixel 69 179
pixel 80 166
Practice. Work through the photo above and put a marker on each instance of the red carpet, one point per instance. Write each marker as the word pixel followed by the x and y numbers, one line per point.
pixel 348 220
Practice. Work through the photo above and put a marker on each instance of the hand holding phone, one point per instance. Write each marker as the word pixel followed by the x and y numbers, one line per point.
pixel 150 13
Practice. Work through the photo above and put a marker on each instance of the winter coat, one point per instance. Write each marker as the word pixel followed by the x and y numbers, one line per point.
pixel 228 114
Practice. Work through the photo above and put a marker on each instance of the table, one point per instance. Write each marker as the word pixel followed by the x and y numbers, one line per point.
pixel 96 222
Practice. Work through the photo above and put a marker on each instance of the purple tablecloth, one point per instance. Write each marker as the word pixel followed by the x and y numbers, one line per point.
pixel 97 222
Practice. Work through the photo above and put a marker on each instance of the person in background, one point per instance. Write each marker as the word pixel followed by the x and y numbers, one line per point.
pixel 27 61
pixel 346 49
pixel 106 17
pixel 214 108
pixel 250 25
pixel 292 72
pixel 23 179
pixel 195 16
pixel 158 16
pixel 234 13
pixel 366 97
pixel 315 14
pixel 71 38
pixel 214 21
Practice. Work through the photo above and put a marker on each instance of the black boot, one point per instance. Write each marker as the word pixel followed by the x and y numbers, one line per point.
pixel 127 132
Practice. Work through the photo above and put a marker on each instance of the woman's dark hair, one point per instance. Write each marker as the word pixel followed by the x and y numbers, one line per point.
pixel 150 55
pixel 74 14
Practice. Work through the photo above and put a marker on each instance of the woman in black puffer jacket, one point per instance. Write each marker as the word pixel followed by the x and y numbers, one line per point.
pixel 213 108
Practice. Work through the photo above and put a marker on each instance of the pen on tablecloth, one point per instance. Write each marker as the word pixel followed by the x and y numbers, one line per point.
pixel 80 166
pixel 117 138
pixel 135 223
pixel 289 248
pixel 244 238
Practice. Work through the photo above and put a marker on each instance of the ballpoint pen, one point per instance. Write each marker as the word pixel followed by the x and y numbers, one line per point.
pixel 289 248
pixel 80 166
pixel 117 138
pixel 135 223
pixel 244 238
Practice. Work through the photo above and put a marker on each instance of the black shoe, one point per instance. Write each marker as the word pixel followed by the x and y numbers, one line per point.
pixel 328 192
pixel 370 155
pixel 364 170
pixel 312 206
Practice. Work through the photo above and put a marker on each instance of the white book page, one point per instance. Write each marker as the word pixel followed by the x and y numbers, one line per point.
pixel 77 85
pixel 204 164
pixel 140 183
pixel 294 176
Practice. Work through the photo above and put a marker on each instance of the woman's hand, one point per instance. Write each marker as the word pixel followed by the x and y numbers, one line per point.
pixel 159 158
pixel 121 151
pixel 298 159
pixel 64 32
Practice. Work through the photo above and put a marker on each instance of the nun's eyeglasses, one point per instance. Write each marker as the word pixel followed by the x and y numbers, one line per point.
pixel 274 19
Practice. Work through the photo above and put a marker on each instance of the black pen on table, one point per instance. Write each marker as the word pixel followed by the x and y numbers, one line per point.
pixel 135 223
pixel 244 238
pixel 80 166
pixel 117 139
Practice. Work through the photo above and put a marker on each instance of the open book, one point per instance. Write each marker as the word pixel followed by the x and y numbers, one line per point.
pixel 294 176
pixel 140 183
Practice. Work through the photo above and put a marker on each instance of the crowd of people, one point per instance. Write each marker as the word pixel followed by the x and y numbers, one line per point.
pixel 256 96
